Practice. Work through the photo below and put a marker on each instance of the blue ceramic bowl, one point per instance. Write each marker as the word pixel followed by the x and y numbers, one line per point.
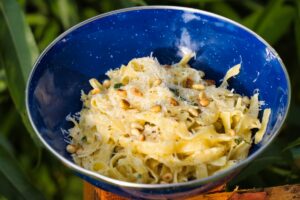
pixel 106 41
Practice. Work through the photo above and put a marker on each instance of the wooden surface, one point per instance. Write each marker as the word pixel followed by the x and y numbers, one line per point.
pixel 287 192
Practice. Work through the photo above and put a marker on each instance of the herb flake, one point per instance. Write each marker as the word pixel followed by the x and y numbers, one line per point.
pixel 118 85
pixel 239 140
pixel 84 139
pixel 175 91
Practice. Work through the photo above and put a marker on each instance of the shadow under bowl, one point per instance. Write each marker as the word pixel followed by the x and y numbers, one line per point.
pixel 104 42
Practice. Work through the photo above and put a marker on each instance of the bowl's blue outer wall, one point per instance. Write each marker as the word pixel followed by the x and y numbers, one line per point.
pixel 104 43
pixel 159 193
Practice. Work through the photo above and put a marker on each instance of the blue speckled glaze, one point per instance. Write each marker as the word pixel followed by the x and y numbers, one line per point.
pixel 107 41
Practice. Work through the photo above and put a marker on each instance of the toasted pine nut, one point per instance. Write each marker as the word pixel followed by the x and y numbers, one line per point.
pixel 95 91
pixel 137 126
pixel 168 66
pixel 156 108
pixel 135 132
pixel 71 148
pixel 79 150
pixel 198 87
pixel 210 82
pixel 122 93
pixel 167 177
pixel 202 95
pixel 141 137
pixel 124 104
pixel 193 112
pixel 157 82
pixel 106 83
pixel 136 92
pixel 189 83
pixel 231 132
pixel 95 83
pixel 173 102
pixel 204 102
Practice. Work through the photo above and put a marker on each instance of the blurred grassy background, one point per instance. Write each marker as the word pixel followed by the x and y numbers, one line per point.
pixel 27 171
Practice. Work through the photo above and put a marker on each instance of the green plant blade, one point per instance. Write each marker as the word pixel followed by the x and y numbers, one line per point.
pixel 12 178
pixel 18 52
pixel 297 30
pixel 6 145
pixel 293 144
pixel 274 20
pixel 67 12
pixel 255 167
pixel 225 10
pixel 129 3
pixel 2 80
pixel 36 19
pixel 251 20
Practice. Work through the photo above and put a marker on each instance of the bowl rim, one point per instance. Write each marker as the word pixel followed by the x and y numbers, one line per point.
pixel 99 177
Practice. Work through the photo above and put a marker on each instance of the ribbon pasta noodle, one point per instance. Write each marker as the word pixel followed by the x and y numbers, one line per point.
pixel 152 123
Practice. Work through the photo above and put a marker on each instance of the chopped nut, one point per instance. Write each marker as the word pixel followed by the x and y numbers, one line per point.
pixel 95 83
pixel 137 126
pixel 79 150
pixel 141 137
pixel 122 93
pixel 193 112
pixel 189 83
pixel 231 132
pixel 124 104
pixel 204 102
pixel 156 108
pixel 136 92
pixel 135 132
pixel 71 148
pixel 167 177
pixel 202 95
pixel 157 82
pixel 173 102
pixel 95 91
pixel 106 83
pixel 198 87
pixel 210 82
pixel 168 66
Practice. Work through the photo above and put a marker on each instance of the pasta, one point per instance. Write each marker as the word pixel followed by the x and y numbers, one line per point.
pixel 152 123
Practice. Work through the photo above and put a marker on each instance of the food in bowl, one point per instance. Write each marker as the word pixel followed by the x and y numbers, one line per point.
pixel 153 123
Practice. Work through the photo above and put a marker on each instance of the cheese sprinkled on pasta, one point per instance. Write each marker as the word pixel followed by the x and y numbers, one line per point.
pixel 152 123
